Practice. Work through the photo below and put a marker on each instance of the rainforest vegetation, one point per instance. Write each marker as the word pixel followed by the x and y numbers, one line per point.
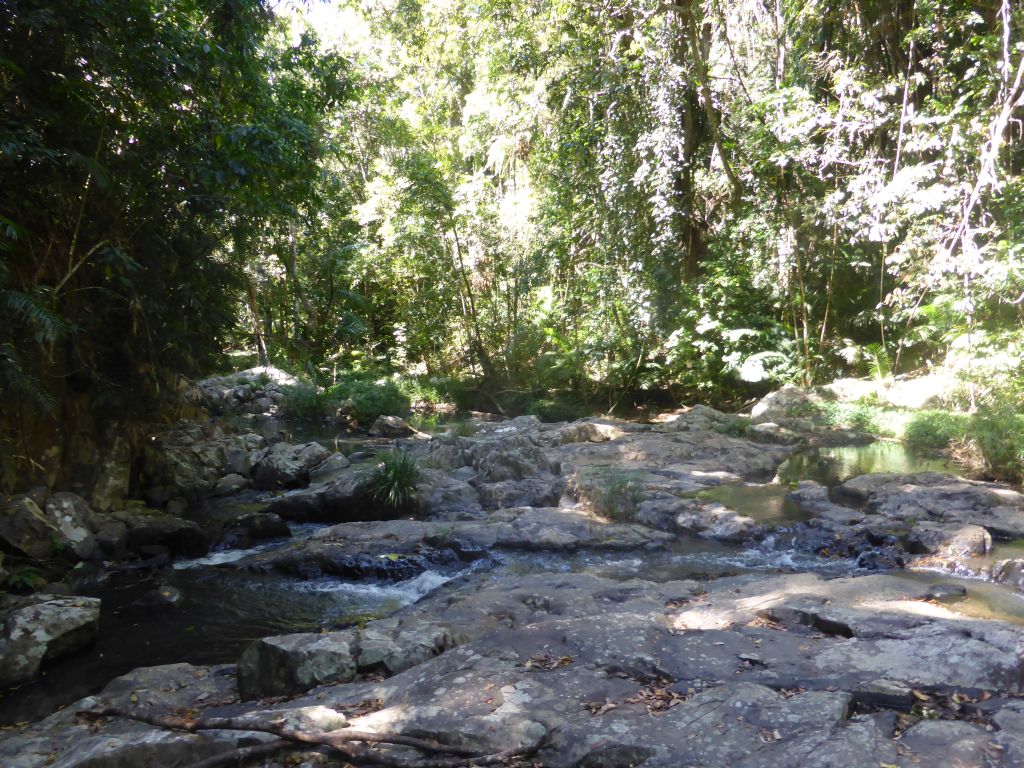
pixel 541 205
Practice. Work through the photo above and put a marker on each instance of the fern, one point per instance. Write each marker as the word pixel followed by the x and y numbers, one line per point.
pixel 46 325
pixel 879 364
pixel 15 381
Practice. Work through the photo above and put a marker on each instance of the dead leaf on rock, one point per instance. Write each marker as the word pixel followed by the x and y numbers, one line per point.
pixel 657 698
pixel 544 661
pixel 596 708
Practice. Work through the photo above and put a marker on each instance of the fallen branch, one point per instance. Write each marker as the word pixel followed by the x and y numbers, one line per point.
pixel 349 743
pixel 244 755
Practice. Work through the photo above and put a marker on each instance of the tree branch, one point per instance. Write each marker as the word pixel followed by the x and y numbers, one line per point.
pixel 344 741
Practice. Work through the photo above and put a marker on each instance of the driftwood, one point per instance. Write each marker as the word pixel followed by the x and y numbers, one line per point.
pixel 344 742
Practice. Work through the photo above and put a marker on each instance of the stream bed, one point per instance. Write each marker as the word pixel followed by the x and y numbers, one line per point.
pixel 223 609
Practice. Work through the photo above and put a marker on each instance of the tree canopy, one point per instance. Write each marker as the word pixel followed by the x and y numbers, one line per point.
pixel 599 199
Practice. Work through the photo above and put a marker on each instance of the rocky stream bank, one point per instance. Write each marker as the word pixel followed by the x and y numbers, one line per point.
pixel 594 593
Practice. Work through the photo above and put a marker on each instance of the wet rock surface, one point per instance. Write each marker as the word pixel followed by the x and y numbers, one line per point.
pixel 754 670
pixel 41 628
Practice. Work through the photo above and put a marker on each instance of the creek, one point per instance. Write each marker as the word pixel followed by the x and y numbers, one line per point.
pixel 223 608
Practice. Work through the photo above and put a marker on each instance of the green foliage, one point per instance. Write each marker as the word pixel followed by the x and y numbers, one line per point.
pixel 394 480
pixel 462 428
pixel 554 409
pixel 734 428
pixel 999 436
pixel 366 399
pixel 306 402
pixel 618 494
pixel 25 579
pixel 934 430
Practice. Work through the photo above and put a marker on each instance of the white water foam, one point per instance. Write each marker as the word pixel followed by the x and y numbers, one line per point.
pixel 403 592
pixel 300 531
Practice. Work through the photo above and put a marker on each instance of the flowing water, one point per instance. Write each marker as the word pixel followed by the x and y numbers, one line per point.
pixel 223 609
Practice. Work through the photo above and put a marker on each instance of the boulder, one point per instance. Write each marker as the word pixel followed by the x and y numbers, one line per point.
pixel 939 498
pixel 342 499
pixel 543 491
pixel 26 528
pixel 149 527
pixel 288 664
pixel 71 515
pixel 287 466
pixel 1009 572
pixel 391 426
pixel 329 469
pixel 949 540
pixel 789 406
pixel 42 628
pixel 229 484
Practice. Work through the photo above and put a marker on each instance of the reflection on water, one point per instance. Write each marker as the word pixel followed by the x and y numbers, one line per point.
pixel 222 611
pixel 984 600
pixel 762 503
pixel 690 557
pixel 834 466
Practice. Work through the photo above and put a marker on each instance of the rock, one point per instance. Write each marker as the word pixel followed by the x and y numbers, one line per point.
pixel 891 694
pixel 394 645
pixel 939 498
pixel 111 536
pixel 70 514
pixel 344 498
pixel 448 496
pixel 26 528
pixel 183 461
pixel 515 457
pixel 771 432
pixel 287 466
pixel 532 492
pixel 329 469
pixel 263 525
pixel 113 478
pixel 147 527
pixel 42 628
pixel 1009 572
pixel 229 484
pixel 405 548
pixel 784 405
pixel 67 741
pixel 288 664
pixel 949 540
pixel 391 426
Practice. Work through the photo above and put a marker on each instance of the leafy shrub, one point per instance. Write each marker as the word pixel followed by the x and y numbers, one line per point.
pixel 557 409
pixel 935 430
pixel 419 391
pixel 305 401
pixel 394 480
pixel 999 435
pixel 365 400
